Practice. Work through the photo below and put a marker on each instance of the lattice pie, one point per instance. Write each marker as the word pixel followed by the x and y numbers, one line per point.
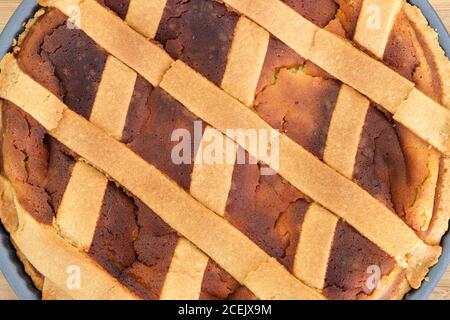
pixel 348 198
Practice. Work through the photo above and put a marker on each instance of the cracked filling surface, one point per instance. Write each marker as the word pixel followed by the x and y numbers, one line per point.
pixel 353 260
pixel 199 33
pixel 133 243
pixel 155 142
pixel 38 166
pixel 268 210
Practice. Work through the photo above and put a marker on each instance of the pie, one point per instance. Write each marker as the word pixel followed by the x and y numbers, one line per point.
pixel 235 149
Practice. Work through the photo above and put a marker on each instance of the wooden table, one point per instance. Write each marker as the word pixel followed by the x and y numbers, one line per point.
pixel 442 292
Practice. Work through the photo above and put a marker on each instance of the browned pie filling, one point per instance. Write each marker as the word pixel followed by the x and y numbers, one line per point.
pixel 294 96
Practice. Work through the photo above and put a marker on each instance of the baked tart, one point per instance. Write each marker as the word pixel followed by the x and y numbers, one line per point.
pixel 235 149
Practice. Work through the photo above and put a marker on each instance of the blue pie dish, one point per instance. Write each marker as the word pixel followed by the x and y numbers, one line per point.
pixel 12 268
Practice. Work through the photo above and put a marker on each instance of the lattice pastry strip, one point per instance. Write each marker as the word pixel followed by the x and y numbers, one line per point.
pixel 80 208
pixel 375 24
pixel 245 60
pixel 210 184
pixel 311 260
pixel 185 276
pixel 144 16
pixel 345 131
pixel 114 94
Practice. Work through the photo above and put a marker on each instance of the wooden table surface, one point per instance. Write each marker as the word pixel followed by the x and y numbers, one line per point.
pixel 442 292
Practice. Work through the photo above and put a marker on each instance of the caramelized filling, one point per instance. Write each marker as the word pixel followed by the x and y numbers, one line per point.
pixel 300 106
pixel 118 6
pixel 65 61
pixel 268 210
pixel 38 166
pixel 133 243
pixel 219 285
pixel 320 12
pixel 154 143
pixel 356 265
pixel 200 33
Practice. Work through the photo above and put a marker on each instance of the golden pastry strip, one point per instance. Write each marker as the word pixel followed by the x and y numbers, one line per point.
pixel 345 131
pixel 113 97
pixel 48 117
pixel 211 182
pixel 355 68
pixel 424 116
pixel 81 205
pixel 297 166
pixel 245 61
pixel 316 239
pixel 375 24
pixel 144 16
pixel 185 277
pixel 233 251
